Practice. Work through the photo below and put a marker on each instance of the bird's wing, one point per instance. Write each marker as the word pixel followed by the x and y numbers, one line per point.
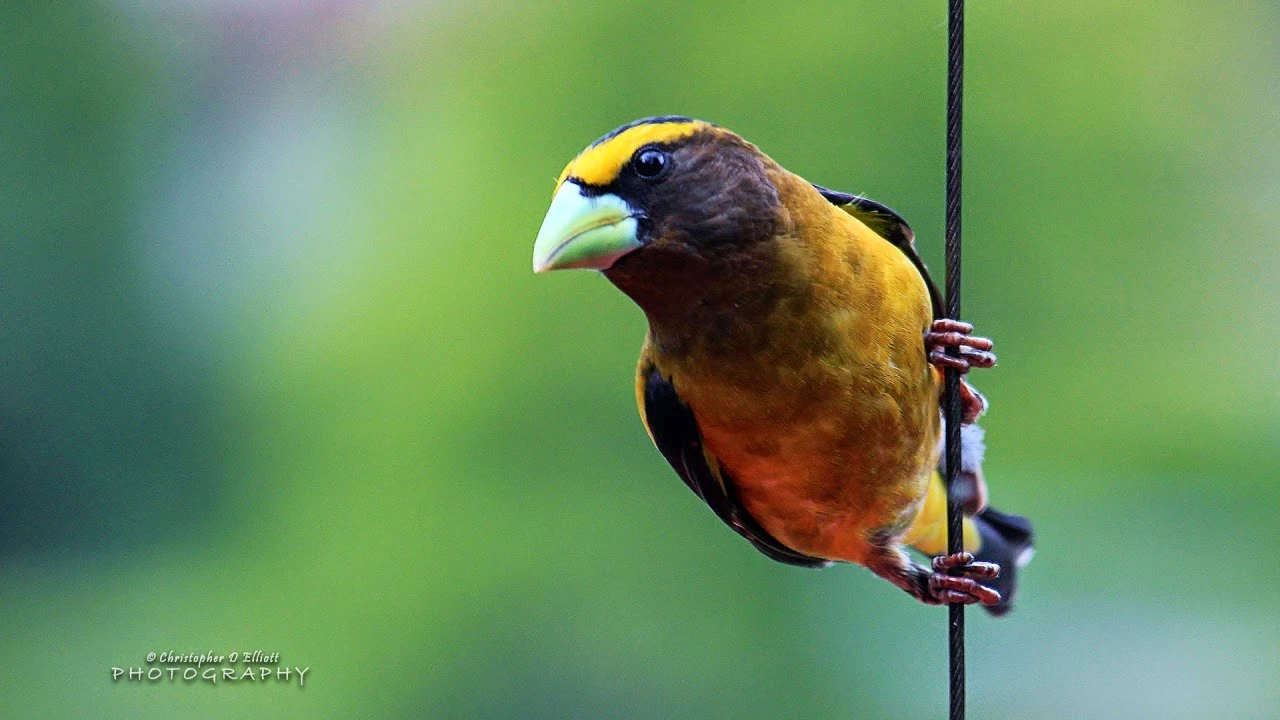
pixel 674 430
pixel 889 225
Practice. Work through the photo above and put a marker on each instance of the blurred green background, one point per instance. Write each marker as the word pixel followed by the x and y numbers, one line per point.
pixel 275 375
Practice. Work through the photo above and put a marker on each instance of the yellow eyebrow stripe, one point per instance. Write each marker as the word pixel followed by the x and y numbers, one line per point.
pixel 600 164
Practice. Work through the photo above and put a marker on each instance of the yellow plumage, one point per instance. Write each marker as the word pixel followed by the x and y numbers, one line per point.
pixel 831 429
pixel 785 375
pixel 928 532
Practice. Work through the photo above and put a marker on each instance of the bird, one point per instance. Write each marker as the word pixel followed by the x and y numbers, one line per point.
pixel 793 366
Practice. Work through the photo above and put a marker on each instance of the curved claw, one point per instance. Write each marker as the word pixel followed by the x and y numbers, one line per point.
pixel 962 588
pixel 971 351
pixel 949 338
pixel 966 360
pixel 964 563
pixel 949 325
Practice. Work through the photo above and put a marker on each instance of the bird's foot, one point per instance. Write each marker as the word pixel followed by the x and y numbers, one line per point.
pixel 963 587
pixel 972 352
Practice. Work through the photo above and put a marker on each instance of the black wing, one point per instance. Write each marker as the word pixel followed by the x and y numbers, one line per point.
pixel 890 226
pixel 675 431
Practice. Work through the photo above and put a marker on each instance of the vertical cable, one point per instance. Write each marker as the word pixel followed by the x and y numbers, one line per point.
pixel 955 541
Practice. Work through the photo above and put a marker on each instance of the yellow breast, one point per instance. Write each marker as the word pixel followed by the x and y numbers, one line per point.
pixel 830 429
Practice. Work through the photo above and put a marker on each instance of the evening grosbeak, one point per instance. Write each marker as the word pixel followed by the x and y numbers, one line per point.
pixel 791 374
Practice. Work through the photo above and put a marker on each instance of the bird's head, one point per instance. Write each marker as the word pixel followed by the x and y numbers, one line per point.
pixel 660 202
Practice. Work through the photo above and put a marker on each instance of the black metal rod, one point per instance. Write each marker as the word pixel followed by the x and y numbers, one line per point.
pixel 955 539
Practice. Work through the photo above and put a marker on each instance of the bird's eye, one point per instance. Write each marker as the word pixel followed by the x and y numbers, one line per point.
pixel 650 162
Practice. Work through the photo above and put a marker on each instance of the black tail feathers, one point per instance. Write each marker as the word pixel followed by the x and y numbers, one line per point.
pixel 1006 541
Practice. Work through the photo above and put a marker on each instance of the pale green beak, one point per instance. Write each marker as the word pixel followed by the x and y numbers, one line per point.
pixel 582 231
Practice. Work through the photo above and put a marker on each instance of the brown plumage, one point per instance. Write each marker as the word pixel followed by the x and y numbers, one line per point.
pixel 785 374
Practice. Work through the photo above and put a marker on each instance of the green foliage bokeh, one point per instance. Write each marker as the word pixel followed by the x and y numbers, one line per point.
pixel 277 376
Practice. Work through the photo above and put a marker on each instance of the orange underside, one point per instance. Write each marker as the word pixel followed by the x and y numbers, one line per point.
pixel 831 431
